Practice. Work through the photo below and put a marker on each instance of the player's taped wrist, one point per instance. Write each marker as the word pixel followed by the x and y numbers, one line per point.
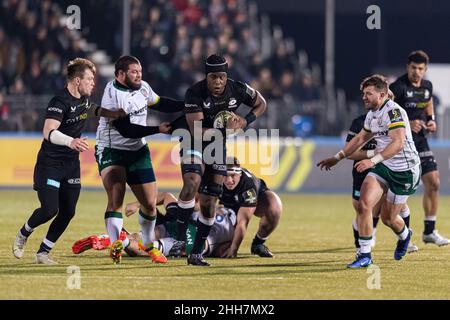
pixel 59 138
pixel 377 158
pixel 250 117
pixel 340 155
pixel 431 117
pixel 370 153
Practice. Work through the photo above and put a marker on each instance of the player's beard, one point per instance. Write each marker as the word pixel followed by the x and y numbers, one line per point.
pixel 130 84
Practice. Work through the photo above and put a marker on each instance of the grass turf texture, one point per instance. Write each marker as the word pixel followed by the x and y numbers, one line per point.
pixel 312 246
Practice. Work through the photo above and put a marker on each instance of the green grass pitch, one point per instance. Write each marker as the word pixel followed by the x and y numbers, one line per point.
pixel 312 245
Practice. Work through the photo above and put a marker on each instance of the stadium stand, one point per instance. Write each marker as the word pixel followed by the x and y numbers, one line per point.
pixel 172 39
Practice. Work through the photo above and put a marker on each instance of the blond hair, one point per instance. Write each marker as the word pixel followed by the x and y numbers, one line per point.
pixel 77 67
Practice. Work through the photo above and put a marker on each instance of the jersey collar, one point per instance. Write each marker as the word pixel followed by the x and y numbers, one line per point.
pixel 384 103
pixel 120 86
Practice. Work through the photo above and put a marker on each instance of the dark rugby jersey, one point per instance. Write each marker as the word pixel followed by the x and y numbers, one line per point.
pixel 72 113
pixel 199 99
pixel 356 126
pixel 413 99
pixel 244 195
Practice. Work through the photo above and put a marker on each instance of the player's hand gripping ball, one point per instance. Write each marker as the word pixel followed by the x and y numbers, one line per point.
pixel 221 119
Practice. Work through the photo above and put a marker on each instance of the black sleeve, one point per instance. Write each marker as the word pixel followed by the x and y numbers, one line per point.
pixel 55 109
pixel 192 102
pixel 179 123
pixel 247 93
pixel 397 90
pixel 355 128
pixel 133 131
pixel 168 105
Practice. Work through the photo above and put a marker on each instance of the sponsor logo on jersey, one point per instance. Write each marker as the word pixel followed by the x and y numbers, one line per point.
pixel 74 181
pixel 250 196
pixel 53 183
pixel 73 109
pixel 190 105
pixel 381 133
pixel 55 109
pixel 409 94
pixel 395 115
pixel 77 118
pixel 144 92
pixel 206 105
pixel 410 105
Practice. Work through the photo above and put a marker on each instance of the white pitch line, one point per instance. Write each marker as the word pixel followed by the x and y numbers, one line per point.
pixel 130 277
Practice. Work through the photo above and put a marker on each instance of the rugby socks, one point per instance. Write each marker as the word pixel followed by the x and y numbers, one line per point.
pixel 114 224
pixel 404 213
pixel 203 227
pixel 355 233
pixel 430 224
pixel 46 246
pixel 171 211
pixel 257 240
pixel 148 228
pixel 26 230
pixel 375 222
pixel 185 210
pixel 402 235
pixel 365 249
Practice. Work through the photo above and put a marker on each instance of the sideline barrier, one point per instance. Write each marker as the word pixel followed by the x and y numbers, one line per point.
pixel 289 166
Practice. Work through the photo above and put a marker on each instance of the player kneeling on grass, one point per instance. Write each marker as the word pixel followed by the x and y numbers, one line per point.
pixel 248 195
pixel 395 168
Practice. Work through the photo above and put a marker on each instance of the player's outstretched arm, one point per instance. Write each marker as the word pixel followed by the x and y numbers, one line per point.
pixel 135 131
pixel 357 142
pixel 95 110
pixel 167 105
pixel 243 218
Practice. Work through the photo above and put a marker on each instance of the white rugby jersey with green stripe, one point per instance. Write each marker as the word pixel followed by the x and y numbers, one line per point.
pixel 390 117
pixel 135 103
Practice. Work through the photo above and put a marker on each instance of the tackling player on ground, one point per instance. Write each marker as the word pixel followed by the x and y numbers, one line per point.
pixel 414 94
pixel 395 168
pixel 248 195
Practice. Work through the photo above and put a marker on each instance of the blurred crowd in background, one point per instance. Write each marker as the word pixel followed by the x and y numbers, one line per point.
pixel 171 38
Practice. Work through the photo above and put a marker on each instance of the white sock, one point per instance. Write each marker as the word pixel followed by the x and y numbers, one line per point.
pixel 404 234
pixel 430 218
pixel 365 245
pixel 404 213
pixel 48 243
pixel 114 224
pixel 148 228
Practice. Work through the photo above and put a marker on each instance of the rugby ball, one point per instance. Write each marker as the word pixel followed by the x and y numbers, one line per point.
pixel 220 120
